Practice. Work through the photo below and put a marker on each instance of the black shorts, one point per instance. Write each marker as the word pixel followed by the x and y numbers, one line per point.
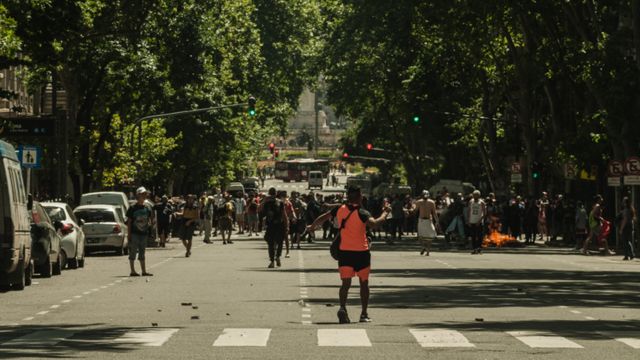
pixel 358 260
pixel 164 228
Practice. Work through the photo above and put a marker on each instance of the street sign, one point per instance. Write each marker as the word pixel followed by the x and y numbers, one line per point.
pixel 516 178
pixel 28 126
pixel 516 168
pixel 616 168
pixel 632 166
pixel 29 156
pixel 570 171
pixel 614 181
pixel 632 180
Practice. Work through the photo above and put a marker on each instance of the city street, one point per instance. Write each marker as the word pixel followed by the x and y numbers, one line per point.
pixel 224 303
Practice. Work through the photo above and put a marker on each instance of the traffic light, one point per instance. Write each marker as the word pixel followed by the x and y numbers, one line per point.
pixel 536 170
pixel 369 147
pixel 345 155
pixel 252 106
pixel 272 147
pixel 416 119
pixel 276 152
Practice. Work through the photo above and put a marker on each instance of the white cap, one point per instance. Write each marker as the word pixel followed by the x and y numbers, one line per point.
pixel 141 190
pixel 425 193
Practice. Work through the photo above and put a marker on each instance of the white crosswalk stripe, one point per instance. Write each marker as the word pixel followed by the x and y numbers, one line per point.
pixel 147 337
pixel 440 338
pixel 630 339
pixel 545 340
pixel 343 337
pixel 243 337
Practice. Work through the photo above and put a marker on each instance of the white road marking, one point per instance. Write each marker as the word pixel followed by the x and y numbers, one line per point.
pixel 103 287
pixel 306 309
pixel 35 283
pixel 563 306
pixel 306 316
pixel 304 296
pixel 86 293
pixel 243 337
pixel 306 322
pixel 77 296
pixel 66 301
pixel 147 337
pixel 96 289
pixel 43 312
pixel 343 337
pixel 440 338
pixel 634 343
pixel 544 340
pixel 589 318
pixel 39 338
pixel 576 312
pixel 28 318
pixel 54 306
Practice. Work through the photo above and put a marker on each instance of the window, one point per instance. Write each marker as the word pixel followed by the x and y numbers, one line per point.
pixel 95 215
pixel 56 213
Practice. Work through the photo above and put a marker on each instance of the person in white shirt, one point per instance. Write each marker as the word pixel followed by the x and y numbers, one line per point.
pixel 477 212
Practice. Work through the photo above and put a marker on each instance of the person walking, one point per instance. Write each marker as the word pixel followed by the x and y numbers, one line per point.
pixel 207 219
pixel 626 228
pixel 427 221
pixel 163 212
pixel 190 217
pixel 138 224
pixel 225 221
pixel 272 209
pixel 595 223
pixel 239 204
pixel 581 223
pixel 354 258
pixel 477 215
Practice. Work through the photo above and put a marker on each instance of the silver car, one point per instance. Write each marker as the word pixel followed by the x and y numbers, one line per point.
pixel 73 242
pixel 104 228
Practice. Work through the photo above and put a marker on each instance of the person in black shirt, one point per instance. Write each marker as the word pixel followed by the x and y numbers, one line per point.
pixel 273 211
pixel 163 212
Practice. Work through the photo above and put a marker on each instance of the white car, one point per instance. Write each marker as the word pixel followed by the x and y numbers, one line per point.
pixel 104 228
pixel 73 242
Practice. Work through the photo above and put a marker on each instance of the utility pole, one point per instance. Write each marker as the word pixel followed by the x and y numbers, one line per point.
pixel 316 139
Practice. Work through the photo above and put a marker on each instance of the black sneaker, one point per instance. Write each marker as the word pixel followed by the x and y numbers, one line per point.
pixel 271 265
pixel 343 317
pixel 278 263
pixel 364 318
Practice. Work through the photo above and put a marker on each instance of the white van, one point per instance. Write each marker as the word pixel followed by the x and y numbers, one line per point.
pixel 107 198
pixel 315 179
pixel 15 225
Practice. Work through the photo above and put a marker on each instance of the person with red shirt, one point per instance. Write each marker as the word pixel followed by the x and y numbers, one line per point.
pixel 354 258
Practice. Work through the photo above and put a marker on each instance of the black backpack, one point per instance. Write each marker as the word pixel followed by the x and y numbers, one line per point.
pixel 272 212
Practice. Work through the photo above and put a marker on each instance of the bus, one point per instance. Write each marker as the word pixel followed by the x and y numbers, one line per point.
pixel 298 169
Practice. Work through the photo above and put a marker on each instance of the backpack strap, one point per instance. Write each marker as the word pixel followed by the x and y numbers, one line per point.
pixel 343 224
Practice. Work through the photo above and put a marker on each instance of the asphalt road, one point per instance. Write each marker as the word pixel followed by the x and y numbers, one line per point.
pixel 223 303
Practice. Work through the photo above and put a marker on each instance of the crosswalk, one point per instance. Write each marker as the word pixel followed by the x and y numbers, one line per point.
pixel 326 337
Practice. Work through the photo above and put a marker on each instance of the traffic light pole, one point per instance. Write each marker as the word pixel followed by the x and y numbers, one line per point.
pixel 138 124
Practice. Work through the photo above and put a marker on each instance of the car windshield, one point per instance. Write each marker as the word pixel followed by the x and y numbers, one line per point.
pixel 55 213
pixel 95 215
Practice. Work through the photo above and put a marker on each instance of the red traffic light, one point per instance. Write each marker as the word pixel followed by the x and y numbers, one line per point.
pixel 369 147
pixel 276 153
pixel 345 155
pixel 272 146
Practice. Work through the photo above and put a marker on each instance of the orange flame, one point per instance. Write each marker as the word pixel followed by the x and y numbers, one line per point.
pixel 498 240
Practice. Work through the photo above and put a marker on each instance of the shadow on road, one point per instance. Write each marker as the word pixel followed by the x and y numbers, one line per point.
pixel 64 341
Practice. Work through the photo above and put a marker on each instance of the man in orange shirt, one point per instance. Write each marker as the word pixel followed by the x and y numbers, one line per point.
pixel 354 258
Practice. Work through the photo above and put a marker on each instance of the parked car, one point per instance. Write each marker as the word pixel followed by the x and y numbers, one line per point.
pixel 48 257
pixel 107 198
pixel 251 184
pixel 104 228
pixel 71 231
pixel 16 266
pixel 234 188
pixel 315 180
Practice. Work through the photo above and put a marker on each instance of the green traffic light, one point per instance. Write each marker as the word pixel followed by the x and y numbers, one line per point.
pixel 536 175
pixel 416 119
pixel 252 112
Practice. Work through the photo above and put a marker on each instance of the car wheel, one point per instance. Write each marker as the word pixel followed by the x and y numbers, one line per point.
pixel 46 269
pixel 73 263
pixel 19 282
pixel 28 274
pixel 57 267
pixel 81 263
